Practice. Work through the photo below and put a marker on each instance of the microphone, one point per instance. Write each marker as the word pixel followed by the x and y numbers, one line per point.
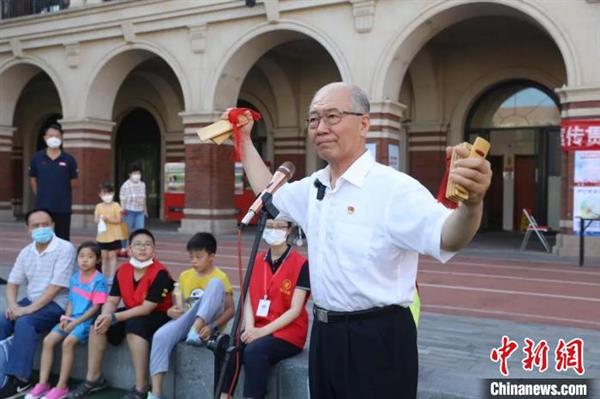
pixel 281 175
pixel 320 189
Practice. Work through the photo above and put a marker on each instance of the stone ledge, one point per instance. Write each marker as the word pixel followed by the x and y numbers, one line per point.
pixel 191 373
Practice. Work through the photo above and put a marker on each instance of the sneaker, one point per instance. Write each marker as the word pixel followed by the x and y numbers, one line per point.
pixel 152 396
pixel 57 393
pixel 14 388
pixel 134 394
pixel 87 387
pixel 193 338
pixel 38 391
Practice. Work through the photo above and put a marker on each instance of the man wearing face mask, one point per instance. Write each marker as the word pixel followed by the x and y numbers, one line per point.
pixel 50 173
pixel 275 318
pixel 45 266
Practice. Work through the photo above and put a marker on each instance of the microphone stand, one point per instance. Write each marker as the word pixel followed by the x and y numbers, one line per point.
pixel 226 348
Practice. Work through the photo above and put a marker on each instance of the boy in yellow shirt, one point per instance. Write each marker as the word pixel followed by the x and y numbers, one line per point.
pixel 208 306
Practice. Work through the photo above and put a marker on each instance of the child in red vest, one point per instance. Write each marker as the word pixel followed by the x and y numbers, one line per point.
pixel 275 318
pixel 145 286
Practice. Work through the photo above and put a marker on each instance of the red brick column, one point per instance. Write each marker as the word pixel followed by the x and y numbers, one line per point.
pixel 289 144
pixel 427 154
pixel 387 130
pixel 576 103
pixel 175 149
pixel 89 141
pixel 7 182
pixel 209 181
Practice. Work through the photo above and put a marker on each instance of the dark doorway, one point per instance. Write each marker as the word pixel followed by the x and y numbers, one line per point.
pixel 138 141
pixel 524 186
pixel 259 130
pixel 494 197
pixel 521 120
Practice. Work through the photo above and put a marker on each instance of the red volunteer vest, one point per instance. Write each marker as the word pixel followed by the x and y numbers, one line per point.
pixel 135 296
pixel 280 288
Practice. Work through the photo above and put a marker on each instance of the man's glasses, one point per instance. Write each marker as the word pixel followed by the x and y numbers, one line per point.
pixel 331 117
pixel 140 245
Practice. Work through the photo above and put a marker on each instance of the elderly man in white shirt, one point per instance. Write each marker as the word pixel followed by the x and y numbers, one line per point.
pixel 46 266
pixel 364 237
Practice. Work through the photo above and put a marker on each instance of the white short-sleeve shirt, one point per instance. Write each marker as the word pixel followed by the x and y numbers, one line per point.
pixel 55 265
pixel 365 236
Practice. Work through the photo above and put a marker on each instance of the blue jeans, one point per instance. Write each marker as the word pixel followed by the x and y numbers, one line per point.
pixel 134 220
pixel 28 331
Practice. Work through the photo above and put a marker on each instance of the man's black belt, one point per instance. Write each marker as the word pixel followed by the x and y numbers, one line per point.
pixel 330 316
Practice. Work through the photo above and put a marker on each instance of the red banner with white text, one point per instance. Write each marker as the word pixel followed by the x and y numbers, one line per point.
pixel 583 134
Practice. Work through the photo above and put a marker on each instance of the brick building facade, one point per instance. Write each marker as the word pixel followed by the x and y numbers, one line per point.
pixel 427 67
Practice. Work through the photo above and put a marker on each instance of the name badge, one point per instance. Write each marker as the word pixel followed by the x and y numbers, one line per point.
pixel 61 163
pixel 263 307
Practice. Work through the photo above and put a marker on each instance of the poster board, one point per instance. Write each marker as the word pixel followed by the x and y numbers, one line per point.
pixel 586 190
pixel 372 148
pixel 174 177
pixel 394 156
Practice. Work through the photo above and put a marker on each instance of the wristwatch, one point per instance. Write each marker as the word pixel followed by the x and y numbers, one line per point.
pixel 113 319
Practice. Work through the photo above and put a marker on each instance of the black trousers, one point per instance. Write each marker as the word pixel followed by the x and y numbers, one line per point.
pixel 372 357
pixel 258 357
pixel 62 225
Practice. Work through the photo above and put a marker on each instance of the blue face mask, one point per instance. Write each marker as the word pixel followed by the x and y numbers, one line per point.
pixel 42 235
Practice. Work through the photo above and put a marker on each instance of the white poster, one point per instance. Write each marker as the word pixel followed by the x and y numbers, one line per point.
pixel 587 168
pixel 586 204
pixel 372 147
pixel 174 177
pixel 586 193
pixel 394 156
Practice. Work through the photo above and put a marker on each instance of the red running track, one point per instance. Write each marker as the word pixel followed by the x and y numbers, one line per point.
pixel 530 291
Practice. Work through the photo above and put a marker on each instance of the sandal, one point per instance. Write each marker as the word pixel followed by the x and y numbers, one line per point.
pixel 87 387
pixel 134 394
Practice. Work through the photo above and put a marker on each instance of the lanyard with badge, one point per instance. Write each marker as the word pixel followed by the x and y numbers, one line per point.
pixel 265 303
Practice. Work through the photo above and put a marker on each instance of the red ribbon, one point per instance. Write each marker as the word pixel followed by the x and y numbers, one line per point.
pixel 441 195
pixel 234 117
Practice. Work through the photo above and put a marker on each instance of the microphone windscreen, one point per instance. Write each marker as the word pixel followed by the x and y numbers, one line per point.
pixel 287 168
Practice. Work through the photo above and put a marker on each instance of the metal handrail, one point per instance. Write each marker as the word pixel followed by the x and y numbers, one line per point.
pixel 19 8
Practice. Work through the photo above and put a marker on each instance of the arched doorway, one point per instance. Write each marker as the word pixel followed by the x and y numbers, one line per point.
pixel 33 102
pixel 272 71
pixel 521 120
pixel 138 141
pixel 144 92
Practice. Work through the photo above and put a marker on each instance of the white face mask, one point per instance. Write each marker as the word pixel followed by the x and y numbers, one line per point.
pixel 136 177
pixel 139 264
pixel 53 142
pixel 108 198
pixel 274 236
